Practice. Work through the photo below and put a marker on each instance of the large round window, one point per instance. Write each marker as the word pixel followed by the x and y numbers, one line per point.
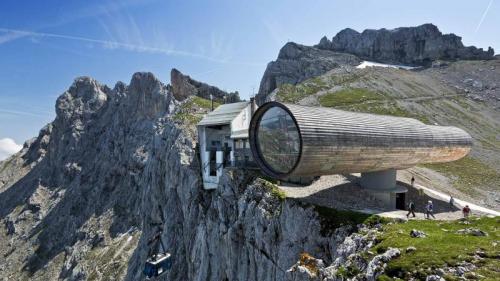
pixel 278 140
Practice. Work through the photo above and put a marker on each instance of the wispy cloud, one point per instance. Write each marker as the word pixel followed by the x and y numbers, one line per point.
pixel 123 32
pixel 120 26
pixel 126 46
pixel 484 16
pixel 204 73
pixel 220 45
pixel 10 36
pixel 24 113
pixel 8 147
pixel 88 12
pixel 276 31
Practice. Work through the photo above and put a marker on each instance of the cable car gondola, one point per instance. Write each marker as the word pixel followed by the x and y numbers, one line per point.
pixel 157 262
pixel 157 266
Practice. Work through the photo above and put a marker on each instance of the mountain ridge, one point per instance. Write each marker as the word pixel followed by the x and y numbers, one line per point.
pixel 419 46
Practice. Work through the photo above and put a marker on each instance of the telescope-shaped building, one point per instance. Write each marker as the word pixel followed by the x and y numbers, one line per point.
pixel 290 141
pixel 297 143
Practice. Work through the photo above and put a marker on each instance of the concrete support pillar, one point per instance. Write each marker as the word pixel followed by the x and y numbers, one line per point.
pixel 379 181
pixel 206 163
pixel 219 159
pixel 382 185
pixel 231 155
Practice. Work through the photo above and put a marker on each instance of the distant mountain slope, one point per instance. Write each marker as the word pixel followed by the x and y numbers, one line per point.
pixel 462 94
pixel 183 86
pixel 419 46
pixel 297 63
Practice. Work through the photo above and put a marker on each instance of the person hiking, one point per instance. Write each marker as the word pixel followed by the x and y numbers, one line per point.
pixel 429 209
pixel 466 211
pixel 411 209
pixel 452 202
pixel 412 181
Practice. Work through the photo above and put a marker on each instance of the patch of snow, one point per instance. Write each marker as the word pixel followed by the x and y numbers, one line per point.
pixel 8 147
pixel 366 63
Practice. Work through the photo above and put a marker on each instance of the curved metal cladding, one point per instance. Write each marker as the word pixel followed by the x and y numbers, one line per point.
pixel 333 141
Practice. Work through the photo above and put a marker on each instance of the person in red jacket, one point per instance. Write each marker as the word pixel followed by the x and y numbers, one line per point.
pixel 466 211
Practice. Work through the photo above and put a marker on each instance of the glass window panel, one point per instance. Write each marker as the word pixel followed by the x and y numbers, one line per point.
pixel 278 140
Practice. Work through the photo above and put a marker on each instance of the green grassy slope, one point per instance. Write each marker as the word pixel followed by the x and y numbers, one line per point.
pixel 443 246
pixel 193 109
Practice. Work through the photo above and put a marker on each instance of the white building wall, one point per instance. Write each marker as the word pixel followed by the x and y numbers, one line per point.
pixel 242 120
pixel 209 182
pixel 205 135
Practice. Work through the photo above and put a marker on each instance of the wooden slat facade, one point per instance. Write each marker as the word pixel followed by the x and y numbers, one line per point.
pixel 336 141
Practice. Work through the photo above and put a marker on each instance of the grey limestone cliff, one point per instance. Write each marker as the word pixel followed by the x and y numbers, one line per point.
pixel 296 63
pixel 78 201
pixel 418 45
pixel 184 86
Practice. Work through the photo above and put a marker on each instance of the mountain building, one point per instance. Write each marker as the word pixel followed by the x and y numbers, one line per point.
pixel 223 140
pixel 292 142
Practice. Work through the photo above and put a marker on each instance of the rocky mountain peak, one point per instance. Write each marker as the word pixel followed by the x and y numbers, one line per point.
pixel 184 86
pixel 148 96
pixel 418 45
pixel 83 98
pixel 324 42
pixel 87 89
pixel 292 50
pixel 181 86
pixel 120 87
pixel 348 32
pixel 144 82
pixel 296 63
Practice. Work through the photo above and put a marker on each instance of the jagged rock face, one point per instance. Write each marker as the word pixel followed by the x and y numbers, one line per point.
pixel 238 232
pixel 297 63
pixel 183 86
pixel 78 202
pixel 74 202
pixel 406 45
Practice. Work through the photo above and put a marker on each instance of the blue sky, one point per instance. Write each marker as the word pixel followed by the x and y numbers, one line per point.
pixel 44 45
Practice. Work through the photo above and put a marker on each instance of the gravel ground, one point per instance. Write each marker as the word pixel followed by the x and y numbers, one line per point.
pixel 436 181
pixel 343 192
pixel 335 191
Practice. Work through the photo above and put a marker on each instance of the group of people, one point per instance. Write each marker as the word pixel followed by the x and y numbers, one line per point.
pixel 429 207
pixel 429 210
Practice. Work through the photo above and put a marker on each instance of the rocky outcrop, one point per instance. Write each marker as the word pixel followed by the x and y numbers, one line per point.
pixel 80 201
pixel 72 198
pixel 297 63
pixel 405 45
pixel 184 86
